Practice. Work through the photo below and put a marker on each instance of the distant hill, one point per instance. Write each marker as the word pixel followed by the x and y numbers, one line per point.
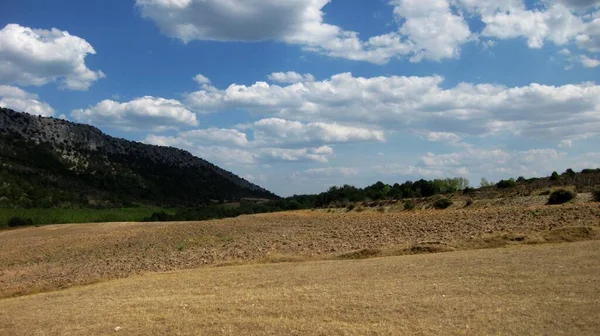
pixel 47 162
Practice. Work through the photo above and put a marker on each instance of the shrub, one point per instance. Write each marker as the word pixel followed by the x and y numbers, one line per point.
pixel 554 176
pixel 468 190
pixel 469 202
pixel 485 183
pixel 560 196
pixel 409 205
pixel 596 195
pixel 350 207
pixel 159 217
pixel 19 221
pixel 503 184
pixel 360 209
pixel 569 172
pixel 442 203
pixel 381 209
pixel 294 205
pixel 521 179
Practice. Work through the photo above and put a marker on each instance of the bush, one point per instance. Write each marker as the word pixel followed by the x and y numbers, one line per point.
pixel 561 196
pixel 469 202
pixel 569 173
pixel 19 221
pixel 409 205
pixel 596 195
pixel 350 207
pixel 554 176
pixel 503 184
pixel 468 190
pixel 159 217
pixel 442 203
pixel 521 179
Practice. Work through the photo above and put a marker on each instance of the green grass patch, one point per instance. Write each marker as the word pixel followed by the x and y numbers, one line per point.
pixel 66 216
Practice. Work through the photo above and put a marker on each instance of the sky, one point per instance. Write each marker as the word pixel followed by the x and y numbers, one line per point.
pixel 300 95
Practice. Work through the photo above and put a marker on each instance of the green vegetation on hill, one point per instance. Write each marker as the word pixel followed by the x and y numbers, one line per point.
pixel 50 163
pixel 53 171
pixel 23 217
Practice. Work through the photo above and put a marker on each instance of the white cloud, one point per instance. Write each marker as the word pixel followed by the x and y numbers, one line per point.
pixel 272 140
pixel 326 172
pixel 201 79
pixel 567 143
pixel 217 136
pixel 214 153
pixel 443 137
pixel 430 30
pixel 243 156
pixel 37 56
pixel 320 154
pixel 589 39
pixel 395 102
pixel 290 77
pixel 492 161
pixel 493 164
pixel 258 178
pixel 427 29
pixel 21 101
pixel 561 22
pixel 398 169
pixel 589 62
pixel 580 5
pixel 557 24
pixel 565 52
pixel 574 59
pixel 434 32
pixel 143 113
pixel 280 131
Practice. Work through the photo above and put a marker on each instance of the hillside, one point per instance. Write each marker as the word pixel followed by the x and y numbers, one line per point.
pixel 47 162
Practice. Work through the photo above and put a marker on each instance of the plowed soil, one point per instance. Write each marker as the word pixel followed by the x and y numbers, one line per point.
pixel 59 256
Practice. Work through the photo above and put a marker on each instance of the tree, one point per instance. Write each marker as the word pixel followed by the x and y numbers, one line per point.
pixel 554 176
pixel 503 184
pixel 450 185
pixel 569 173
pixel 425 188
pixel 485 183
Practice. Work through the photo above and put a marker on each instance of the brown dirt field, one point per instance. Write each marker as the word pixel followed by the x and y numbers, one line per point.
pixel 59 256
pixel 522 290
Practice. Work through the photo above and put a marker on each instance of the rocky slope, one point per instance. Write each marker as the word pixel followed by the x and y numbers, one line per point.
pixel 81 165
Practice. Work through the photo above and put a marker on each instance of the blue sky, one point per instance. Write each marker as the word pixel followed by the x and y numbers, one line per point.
pixel 300 95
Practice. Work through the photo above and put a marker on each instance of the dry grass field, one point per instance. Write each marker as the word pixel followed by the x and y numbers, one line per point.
pixel 54 257
pixel 550 289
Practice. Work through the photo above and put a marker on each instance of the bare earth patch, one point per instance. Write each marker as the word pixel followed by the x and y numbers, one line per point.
pixel 521 290
pixel 54 257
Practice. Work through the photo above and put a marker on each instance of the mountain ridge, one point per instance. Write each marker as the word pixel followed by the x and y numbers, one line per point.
pixel 59 149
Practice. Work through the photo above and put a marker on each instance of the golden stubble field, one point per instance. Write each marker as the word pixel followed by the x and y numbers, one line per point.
pixel 550 289
pixel 60 256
